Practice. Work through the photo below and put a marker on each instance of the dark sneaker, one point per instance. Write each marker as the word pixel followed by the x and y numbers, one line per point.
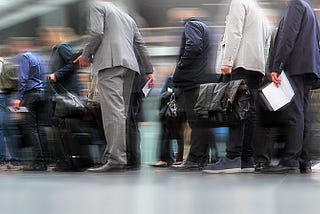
pixel 247 165
pixel 188 165
pixel 224 165
pixel 280 169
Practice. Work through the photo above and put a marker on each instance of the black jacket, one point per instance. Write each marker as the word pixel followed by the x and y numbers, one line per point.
pixel 194 64
pixel 61 65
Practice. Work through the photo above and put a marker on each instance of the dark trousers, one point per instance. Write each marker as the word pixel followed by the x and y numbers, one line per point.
pixel 298 127
pixel 34 101
pixel 270 130
pixel 200 135
pixel 293 123
pixel 133 134
pixel 241 137
pixel 172 128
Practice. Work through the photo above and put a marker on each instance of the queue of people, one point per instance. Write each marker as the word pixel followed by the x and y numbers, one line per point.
pixel 121 67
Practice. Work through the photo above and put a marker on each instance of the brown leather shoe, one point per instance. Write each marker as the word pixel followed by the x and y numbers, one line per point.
pixel 160 164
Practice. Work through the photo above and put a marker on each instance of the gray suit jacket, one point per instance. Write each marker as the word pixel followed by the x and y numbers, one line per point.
pixel 113 37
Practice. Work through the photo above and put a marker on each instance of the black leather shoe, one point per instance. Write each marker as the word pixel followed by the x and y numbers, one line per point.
pixel 305 168
pixel 188 165
pixel 35 167
pixel 281 169
pixel 261 166
pixel 132 166
pixel 108 167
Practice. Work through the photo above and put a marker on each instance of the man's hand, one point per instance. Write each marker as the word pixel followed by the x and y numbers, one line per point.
pixel 153 80
pixel 275 78
pixel 82 62
pixel 52 78
pixel 225 70
pixel 16 104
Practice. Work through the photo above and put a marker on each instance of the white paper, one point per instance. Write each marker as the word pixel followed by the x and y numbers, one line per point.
pixel 20 110
pixel 279 97
pixel 146 89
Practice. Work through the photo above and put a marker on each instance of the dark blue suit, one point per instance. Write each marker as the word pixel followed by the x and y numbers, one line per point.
pixel 296 44
pixel 297 52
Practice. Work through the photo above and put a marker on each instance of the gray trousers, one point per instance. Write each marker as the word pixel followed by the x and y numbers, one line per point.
pixel 115 86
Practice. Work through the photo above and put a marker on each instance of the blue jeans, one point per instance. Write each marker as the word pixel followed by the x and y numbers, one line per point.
pixel 2 122
pixel 8 133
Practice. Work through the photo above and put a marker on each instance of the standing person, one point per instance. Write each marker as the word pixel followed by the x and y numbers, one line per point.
pixel 8 140
pixel 297 52
pixel 31 95
pixel 171 128
pixel 245 42
pixel 111 51
pixel 194 68
pixel 133 133
pixel 2 120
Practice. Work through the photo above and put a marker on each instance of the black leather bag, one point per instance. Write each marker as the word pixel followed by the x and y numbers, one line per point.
pixel 223 104
pixel 168 106
pixel 66 104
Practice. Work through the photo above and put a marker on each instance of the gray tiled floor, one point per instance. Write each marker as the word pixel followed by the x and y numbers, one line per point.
pixel 162 191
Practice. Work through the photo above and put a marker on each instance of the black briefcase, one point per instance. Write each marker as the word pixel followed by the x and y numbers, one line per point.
pixel 223 104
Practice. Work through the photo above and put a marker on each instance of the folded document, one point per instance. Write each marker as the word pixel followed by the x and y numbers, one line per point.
pixel 277 97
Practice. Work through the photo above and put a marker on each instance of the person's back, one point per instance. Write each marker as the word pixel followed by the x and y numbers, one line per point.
pixel 195 59
pixel 246 36
pixel 116 48
pixel 113 36
pixel 303 41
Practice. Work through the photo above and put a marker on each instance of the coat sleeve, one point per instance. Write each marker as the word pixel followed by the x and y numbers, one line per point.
pixel 287 34
pixel 234 31
pixel 142 51
pixel 96 30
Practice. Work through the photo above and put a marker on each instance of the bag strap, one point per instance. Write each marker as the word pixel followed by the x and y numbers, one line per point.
pixel 63 89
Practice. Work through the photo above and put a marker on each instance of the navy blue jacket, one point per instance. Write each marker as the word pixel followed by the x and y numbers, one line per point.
pixel 194 64
pixel 61 65
pixel 296 45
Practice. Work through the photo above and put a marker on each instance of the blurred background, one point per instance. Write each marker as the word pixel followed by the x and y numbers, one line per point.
pixel 46 22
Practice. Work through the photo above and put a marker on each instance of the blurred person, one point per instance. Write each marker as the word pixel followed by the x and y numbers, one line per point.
pixel 245 41
pixel 3 108
pixel 111 51
pixel 31 95
pixel 297 52
pixel 63 72
pixel 7 139
pixel 171 129
pixel 133 140
pixel 194 68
